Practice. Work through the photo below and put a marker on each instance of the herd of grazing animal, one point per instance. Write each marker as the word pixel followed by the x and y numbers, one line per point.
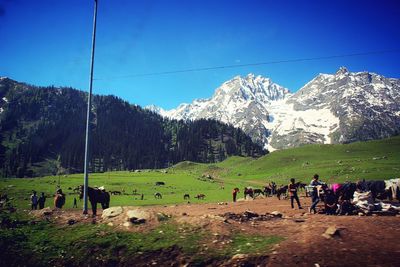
pixel 379 189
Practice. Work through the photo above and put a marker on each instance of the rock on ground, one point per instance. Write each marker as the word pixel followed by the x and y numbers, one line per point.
pixel 111 212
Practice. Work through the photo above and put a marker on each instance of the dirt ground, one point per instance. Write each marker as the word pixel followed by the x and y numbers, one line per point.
pixel 362 240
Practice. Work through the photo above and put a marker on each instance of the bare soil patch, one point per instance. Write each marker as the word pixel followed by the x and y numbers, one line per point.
pixel 362 240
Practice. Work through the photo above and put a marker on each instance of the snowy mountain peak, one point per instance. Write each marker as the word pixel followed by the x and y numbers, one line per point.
pixel 331 108
pixel 251 87
pixel 342 71
pixel 156 109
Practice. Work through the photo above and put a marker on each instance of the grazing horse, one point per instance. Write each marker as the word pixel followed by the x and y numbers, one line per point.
pixel 258 192
pixel 96 195
pixel 248 191
pixel 186 196
pixel 301 185
pixel 267 190
pixel 281 191
pixel 200 196
pixel 157 195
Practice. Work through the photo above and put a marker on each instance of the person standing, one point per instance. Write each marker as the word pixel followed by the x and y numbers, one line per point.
pixel 59 199
pixel 34 201
pixel 292 188
pixel 315 183
pixel 234 193
pixel 42 200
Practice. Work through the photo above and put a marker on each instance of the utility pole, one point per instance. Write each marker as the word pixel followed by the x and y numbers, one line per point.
pixel 89 106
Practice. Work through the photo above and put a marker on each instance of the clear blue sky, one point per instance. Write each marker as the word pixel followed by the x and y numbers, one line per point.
pixel 48 43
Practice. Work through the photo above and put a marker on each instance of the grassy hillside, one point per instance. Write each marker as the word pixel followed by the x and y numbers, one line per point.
pixel 370 160
pixel 366 160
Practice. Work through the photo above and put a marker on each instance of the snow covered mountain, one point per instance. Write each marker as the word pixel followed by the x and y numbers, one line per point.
pixel 332 108
pixel 242 102
pixel 340 108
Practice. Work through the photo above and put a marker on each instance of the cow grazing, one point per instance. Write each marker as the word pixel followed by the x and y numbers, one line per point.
pixel 160 183
pixel 186 196
pixel 157 195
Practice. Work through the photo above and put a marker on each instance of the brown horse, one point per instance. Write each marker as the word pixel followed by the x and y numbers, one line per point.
pixel 96 196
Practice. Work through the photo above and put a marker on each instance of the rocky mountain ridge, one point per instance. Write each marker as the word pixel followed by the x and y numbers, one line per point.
pixel 332 108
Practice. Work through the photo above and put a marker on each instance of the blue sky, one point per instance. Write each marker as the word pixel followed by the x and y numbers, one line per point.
pixel 48 43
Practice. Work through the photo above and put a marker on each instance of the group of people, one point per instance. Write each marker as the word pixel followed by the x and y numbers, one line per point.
pixel 330 201
pixel 315 185
pixel 59 200
pixel 35 201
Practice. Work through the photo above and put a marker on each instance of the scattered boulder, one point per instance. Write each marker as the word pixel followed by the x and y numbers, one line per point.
pixel 238 256
pixel 276 214
pixel 138 216
pixel 331 232
pixel 162 217
pixel 46 211
pixel 111 212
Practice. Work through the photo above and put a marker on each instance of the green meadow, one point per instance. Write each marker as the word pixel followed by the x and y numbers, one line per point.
pixel 334 163
pixel 43 243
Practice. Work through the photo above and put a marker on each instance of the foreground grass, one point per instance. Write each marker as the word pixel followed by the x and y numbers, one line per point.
pixel 42 243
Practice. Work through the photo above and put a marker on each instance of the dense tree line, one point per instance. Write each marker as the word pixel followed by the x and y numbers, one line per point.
pixel 42 132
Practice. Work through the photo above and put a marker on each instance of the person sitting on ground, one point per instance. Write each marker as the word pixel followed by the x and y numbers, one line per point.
pixel 330 202
pixel 292 187
pixel 42 200
pixel 345 207
pixel 314 193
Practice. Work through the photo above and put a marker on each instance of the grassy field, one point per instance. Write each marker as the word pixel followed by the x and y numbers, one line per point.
pixel 334 163
pixel 43 243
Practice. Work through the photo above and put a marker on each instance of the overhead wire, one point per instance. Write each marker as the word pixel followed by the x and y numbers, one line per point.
pixel 248 64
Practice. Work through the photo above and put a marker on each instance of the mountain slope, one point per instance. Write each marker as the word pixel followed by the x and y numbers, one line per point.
pixel 332 108
pixel 242 102
pixel 42 132
pixel 340 108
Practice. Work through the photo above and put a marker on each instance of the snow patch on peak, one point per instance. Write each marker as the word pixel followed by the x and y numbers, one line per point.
pixel 156 109
pixel 342 70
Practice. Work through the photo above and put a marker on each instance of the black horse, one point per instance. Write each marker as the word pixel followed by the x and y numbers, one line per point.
pixel 96 195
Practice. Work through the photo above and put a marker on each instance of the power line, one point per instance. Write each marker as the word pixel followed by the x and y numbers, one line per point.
pixel 249 64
